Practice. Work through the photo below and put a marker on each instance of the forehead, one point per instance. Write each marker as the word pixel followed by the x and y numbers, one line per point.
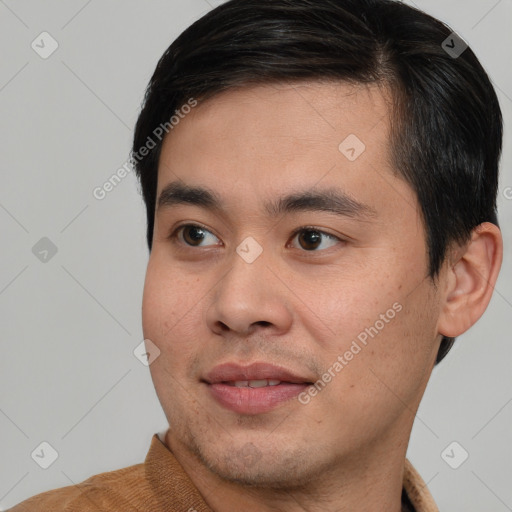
pixel 259 141
pixel 315 111
pixel 282 121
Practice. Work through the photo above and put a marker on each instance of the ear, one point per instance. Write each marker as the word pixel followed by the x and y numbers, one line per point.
pixel 470 278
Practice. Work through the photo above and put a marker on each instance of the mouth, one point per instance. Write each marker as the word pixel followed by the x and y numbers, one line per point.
pixel 261 383
pixel 254 389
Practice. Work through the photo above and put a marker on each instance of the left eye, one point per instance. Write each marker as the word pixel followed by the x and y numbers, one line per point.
pixel 312 239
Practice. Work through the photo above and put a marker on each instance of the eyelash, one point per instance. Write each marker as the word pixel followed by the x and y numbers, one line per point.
pixel 175 234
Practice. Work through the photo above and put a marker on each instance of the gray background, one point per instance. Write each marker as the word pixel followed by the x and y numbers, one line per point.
pixel 69 325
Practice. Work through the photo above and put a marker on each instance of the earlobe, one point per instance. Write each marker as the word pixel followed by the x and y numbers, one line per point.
pixel 471 276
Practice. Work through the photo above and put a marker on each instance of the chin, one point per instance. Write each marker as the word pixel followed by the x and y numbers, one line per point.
pixel 252 466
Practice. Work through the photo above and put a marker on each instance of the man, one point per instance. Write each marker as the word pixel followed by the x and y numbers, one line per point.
pixel 320 179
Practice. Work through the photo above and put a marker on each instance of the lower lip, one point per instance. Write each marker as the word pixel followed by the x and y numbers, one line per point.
pixel 248 400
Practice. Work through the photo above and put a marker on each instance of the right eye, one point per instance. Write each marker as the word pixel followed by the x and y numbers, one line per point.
pixel 194 235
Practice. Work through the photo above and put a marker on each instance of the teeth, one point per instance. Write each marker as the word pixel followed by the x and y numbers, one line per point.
pixel 256 383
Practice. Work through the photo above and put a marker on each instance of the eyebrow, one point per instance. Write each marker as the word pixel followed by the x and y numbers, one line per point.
pixel 328 200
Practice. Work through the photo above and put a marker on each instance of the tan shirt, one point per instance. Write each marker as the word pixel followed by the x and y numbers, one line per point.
pixel 160 484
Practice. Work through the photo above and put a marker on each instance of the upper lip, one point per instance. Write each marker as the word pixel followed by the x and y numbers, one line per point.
pixel 230 372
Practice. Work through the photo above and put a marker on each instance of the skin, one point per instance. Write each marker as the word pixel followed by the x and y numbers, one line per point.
pixel 204 305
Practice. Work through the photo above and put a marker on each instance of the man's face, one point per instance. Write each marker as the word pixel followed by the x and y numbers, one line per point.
pixel 309 267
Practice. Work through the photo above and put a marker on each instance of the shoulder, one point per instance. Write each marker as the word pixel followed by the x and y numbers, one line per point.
pixel 115 490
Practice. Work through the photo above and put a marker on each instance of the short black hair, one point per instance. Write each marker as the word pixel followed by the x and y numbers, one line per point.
pixel 446 133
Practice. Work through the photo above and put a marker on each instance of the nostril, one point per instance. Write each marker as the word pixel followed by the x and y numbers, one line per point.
pixel 223 326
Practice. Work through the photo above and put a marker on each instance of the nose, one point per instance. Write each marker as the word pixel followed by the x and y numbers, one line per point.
pixel 249 298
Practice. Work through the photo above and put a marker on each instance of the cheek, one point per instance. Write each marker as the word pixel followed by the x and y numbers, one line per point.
pixel 351 299
pixel 398 345
pixel 387 309
pixel 170 305
pixel 384 361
